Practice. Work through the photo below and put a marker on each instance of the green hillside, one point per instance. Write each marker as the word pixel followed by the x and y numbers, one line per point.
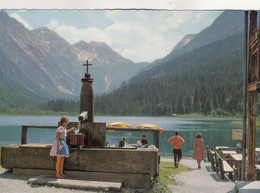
pixel 207 80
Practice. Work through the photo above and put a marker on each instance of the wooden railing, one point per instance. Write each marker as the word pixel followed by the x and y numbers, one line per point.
pixel 156 132
pixel 25 130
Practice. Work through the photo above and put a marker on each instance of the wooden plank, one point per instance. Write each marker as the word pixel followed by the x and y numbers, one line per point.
pixel 41 126
pixel 226 167
pixel 95 133
pixel 130 180
pixel 85 159
pixel 77 184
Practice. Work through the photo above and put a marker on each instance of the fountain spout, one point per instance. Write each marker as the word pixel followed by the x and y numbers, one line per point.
pixel 83 116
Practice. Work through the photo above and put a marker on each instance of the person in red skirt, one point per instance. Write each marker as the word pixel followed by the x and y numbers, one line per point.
pixel 199 149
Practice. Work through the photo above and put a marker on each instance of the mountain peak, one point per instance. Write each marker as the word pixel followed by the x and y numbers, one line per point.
pixel 3 13
pixel 93 44
pixel 98 44
pixel 184 41
pixel 45 31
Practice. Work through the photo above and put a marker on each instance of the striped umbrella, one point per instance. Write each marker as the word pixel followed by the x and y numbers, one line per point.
pixel 118 124
pixel 150 126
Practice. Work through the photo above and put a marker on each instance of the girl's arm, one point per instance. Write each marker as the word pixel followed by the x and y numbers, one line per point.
pixel 58 141
pixel 203 146
pixel 70 130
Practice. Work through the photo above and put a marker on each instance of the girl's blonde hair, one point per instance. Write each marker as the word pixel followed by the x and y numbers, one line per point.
pixel 64 119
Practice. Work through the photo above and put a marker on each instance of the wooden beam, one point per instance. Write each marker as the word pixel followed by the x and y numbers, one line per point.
pixel 24 134
pixel 251 136
pixel 122 160
pixel 245 83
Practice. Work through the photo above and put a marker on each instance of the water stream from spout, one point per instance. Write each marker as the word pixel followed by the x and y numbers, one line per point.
pixel 77 130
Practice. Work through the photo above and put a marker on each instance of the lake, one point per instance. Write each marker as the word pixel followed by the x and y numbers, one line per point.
pixel 215 131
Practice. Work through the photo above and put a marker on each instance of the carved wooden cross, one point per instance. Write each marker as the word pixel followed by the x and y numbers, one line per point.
pixel 87 64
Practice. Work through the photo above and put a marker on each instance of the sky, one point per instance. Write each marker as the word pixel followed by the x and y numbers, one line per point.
pixel 138 35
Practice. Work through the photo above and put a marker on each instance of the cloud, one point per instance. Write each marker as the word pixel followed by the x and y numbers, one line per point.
pixel 53 24
pixel 73 34
pixel 136 35
pixel 21 20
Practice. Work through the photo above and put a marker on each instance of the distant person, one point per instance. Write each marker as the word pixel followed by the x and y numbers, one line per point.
pixel 138 143
pixel 199 149
pixel 123 142
pixel 60 148
pixel 177 142
pixel 144 141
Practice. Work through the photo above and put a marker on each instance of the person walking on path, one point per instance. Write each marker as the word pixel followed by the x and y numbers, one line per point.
pixel 60 148
pixel 199 149
pixel 177 142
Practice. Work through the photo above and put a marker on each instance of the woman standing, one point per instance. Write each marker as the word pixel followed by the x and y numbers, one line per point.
pixel 199 149
pixel 60 148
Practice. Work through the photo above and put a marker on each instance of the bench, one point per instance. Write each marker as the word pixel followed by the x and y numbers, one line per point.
pixel 212 159
pixel 223 167
pixel 257 171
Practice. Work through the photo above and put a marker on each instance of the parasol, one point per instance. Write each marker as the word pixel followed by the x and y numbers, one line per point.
pixel 150 126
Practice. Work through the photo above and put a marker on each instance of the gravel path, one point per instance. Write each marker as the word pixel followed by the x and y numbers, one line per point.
pixel 202 180
pixel 18 184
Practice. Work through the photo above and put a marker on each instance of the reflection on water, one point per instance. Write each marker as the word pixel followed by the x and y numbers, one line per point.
pixel 215 131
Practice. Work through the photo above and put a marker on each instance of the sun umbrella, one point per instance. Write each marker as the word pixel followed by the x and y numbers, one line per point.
pixel 151 126
pixel 118 124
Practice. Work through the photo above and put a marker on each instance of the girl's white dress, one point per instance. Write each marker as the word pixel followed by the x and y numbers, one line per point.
pixel 65 149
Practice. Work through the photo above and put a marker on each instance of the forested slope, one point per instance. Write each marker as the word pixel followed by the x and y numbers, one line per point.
pixel 207 80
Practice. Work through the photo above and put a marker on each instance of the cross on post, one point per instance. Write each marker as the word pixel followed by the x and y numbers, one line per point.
pixel 87 64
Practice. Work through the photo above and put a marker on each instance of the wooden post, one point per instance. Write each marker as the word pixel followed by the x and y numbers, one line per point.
pixel 245 96
pixel 24 134
pixel 251 136
pixel 156 138
pixel 87 95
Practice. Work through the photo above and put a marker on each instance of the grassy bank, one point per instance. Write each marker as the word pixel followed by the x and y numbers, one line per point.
pixel 166 177
pixel 200 115
pixel 240 123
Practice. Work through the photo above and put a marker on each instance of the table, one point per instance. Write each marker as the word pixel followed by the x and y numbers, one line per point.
pixel 221 147
pixel 237 160
pixel 226 154
pixel 257 153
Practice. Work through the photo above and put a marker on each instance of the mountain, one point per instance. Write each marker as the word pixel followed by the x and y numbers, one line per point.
pixel 186 40
pixel 207 80
pixel 227 24
pixel 179 46
pixel 109 68
pixel 204 78
pixel 40 63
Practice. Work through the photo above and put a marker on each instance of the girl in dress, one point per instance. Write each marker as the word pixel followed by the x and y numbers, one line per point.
pixel 198 149
pixel 60 148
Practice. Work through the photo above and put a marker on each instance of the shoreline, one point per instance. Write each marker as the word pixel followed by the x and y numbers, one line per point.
pixel 75 114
